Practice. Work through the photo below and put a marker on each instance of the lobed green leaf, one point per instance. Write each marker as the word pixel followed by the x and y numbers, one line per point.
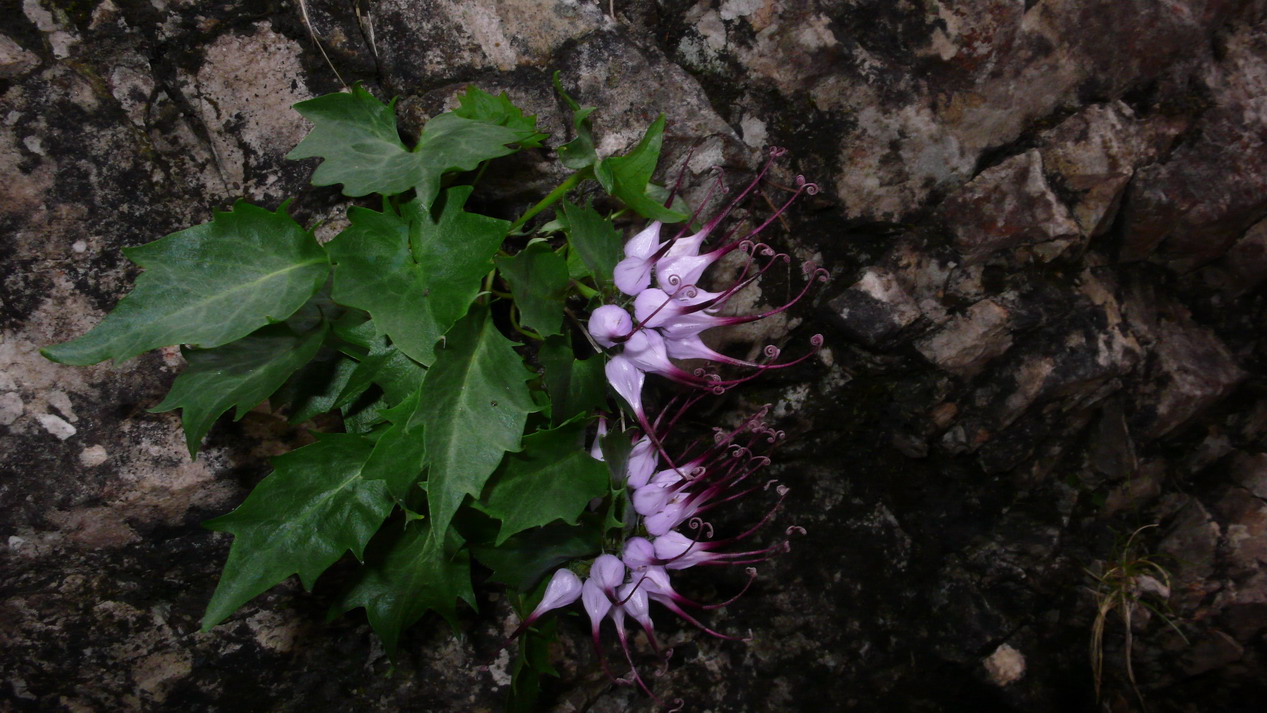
pixel 481 106
pixel 579 153
pixel 410 572
pixel 239 375
pixel 475 407
pixel 301 519
pixel 207 285
pixel 538 280
pixel 400 452
pixel 356 135
pixel 450 142
pixel 553 478
pixel 575 386
pixel 358 139
pixel 521 561
pixel 414 275
pixel 626 177
pixel 594 239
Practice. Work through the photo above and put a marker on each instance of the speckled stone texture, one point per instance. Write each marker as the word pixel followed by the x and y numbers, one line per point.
pixel 1046 222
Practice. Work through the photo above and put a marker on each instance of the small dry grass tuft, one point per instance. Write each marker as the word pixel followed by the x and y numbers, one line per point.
pixel 1122 586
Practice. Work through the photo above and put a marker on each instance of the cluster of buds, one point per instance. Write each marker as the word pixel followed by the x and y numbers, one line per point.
pixel 668 493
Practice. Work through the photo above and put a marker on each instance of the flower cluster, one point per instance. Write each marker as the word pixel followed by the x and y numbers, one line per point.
pixel 672 315
pixel 669 493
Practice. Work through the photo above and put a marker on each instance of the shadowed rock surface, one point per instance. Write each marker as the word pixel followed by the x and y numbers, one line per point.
pixel 1046 223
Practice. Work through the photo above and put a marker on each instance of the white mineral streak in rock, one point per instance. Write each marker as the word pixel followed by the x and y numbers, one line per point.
pixel 275 630
pixel 480 19
pixel 754 131
pixel 498 669
pixel 155 674
pixel 56 425
pixel 93 456
pixel 11 408
pixel 733 9
pixel 34 145
pixel 60 401
pixel 969 341
pixel 1005 666
pixel 15 61
pixel 245 91
pixel 59 39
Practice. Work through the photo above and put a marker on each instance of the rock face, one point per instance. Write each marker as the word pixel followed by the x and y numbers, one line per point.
pixel 1047 227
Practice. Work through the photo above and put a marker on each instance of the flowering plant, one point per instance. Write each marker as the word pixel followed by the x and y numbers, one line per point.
pixel 447 343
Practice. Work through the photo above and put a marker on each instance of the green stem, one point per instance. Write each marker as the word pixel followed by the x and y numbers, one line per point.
pixel 514 322
pixel 568 184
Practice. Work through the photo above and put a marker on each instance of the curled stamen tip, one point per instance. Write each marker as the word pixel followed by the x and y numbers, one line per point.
pixel 795 529
pixel 750 571
pixel 777 151
pixel 678 705
pixel 770 483
pixel 816 340
pixel 772 352
pixel 781 490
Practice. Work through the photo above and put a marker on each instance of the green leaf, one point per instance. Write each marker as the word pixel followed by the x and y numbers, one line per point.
pixel 415 276
pixel 207 285
pixel 554 478
pixel 356 134
pixel 575 386
pixel 317 386
pixel 538 281
pixel 532 663
pixel 450 142
pixel 400 452
pixel 474 411
pixel 240 374
pixel 299 520
pixel 481 106
pixel 385 365
pixel 594 239
pixel 579 152
pixel 412 573
pixel 626 177
pixel 524 559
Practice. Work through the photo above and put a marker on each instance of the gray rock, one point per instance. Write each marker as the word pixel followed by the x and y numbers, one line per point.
pixel 1010 208
pixel 875 309
pixel 969 341
pixel 1244 266
pixel 1191 371
pixel 1093 155
pixel 14 60
pixel 1195 205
